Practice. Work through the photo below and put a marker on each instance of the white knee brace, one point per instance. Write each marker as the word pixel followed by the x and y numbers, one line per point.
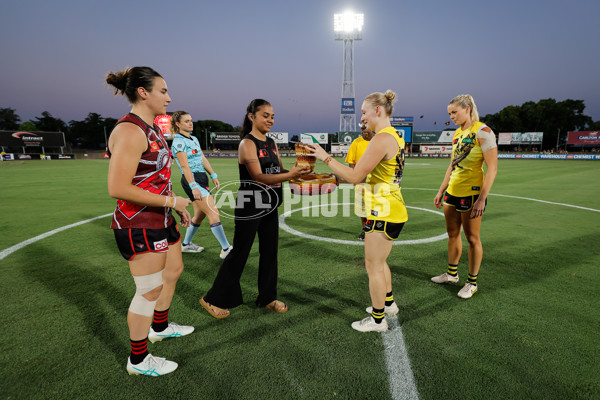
pixel 144 284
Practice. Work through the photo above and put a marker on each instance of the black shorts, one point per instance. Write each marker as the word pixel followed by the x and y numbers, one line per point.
pixel 462 204
pixel 392 230
pixel 201 179
pixel 132 241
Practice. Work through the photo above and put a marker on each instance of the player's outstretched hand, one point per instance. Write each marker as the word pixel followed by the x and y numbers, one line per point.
pixel 297 172
pixel 317 151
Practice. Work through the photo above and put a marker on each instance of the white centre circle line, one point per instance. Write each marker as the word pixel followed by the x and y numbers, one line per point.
pixel 295 232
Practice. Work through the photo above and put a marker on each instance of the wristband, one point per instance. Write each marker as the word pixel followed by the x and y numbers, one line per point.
pixel 194 185
pixel 327 160
pixel 213 175
pixel 168 201
pixel 174 202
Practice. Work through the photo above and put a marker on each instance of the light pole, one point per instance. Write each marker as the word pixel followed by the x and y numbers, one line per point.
pixel 348 28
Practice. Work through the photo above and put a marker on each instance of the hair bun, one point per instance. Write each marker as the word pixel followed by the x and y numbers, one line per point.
pixel 390 96
pixel 117 80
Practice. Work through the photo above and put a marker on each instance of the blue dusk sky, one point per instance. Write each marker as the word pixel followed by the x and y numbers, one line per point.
pixel 216 56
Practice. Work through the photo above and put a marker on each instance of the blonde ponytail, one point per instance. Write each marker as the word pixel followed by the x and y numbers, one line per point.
pixel 464 101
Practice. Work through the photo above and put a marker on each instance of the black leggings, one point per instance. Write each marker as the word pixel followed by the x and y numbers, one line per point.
pixel 226 291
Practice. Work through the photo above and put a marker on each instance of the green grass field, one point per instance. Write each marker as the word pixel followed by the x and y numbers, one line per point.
pixel 531 332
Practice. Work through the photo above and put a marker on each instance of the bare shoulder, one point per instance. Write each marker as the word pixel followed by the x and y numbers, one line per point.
pixel 246 145
pixel 385 139
pixel 246 151
pixel 127 136
pixel 382 146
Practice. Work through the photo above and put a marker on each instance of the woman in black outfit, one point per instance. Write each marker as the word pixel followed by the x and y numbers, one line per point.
pixel 259 195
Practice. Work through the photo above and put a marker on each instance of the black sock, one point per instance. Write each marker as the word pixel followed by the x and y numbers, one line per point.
pixel 452 269
pixel 378 315
pixel 389 299
pixel 160 322
pixel 139 350
pixel 472 279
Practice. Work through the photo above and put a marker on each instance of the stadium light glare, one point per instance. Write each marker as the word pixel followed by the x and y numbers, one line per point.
pixel 347 27
pixel 348 22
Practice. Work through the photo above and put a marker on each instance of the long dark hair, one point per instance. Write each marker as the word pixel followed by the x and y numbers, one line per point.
pixel 251 109
pixel 128 81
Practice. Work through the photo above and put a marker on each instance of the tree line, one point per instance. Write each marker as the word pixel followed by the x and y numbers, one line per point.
pixel 93 130
pixel 554 118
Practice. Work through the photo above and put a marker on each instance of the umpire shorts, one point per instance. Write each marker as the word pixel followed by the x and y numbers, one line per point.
pixel 201 179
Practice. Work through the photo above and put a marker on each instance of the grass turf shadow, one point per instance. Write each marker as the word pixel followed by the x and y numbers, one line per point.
pixel 80 287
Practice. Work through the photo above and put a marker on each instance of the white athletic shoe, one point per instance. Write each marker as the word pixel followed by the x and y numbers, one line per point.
pixel 388 310
pixel 173 330
pixel 191 247
pixel 224 253
pixel 445 277
pixel 151 366
pixel 369 325
pixel 467 291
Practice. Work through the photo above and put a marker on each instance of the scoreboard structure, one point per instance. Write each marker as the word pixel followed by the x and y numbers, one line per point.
pixel 404 125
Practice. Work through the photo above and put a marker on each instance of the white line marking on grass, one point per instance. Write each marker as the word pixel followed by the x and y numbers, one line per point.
pixel 6 252
pixel 547 202
pixel 524 198
pixel 290 377
pixel 400 375
pixel 357 242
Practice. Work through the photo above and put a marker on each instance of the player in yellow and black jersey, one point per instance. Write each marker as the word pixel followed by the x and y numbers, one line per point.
pixel 467 188
pixel 382 165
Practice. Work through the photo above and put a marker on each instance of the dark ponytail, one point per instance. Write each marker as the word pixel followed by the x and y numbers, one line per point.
pixel 128 81
pixel 251 109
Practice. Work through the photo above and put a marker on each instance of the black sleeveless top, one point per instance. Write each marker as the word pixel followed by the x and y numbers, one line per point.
pixel 257 195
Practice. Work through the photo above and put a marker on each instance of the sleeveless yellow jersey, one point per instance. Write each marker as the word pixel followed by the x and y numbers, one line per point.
pixel 467 162
pixel 379 198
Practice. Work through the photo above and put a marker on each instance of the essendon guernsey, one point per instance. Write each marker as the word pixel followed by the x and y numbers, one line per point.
pixel 153 175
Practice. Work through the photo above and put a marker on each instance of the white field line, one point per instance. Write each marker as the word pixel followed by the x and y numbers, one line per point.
pixel 6 252
pixel 524 198
pixel 400 375
pixel 283 225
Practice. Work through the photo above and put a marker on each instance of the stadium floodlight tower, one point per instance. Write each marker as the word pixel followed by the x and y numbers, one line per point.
pixel 348 27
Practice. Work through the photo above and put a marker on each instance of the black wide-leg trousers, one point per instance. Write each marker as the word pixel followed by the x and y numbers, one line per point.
pixel 226 291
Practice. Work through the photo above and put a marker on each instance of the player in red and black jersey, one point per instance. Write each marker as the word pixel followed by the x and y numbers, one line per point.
pixel 139 178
